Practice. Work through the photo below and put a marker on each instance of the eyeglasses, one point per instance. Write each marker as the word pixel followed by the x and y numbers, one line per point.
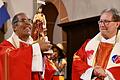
pixel 26 21
pixel 106 22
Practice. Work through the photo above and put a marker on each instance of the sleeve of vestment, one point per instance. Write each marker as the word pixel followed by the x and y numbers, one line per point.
pixel 79 64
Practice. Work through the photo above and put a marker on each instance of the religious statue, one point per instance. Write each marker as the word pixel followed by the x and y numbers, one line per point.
pixel 39 25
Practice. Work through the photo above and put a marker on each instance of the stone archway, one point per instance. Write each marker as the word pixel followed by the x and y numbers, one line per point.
pixel 61 10
pixel 55 9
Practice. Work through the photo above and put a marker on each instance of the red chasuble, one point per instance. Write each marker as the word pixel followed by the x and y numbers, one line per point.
pixel 103 54
pixel 15 63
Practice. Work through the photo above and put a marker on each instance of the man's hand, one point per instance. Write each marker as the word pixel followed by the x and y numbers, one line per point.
pixel 99 72
pixel 45 46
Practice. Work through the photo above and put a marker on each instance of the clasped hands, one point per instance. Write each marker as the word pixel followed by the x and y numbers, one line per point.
pixel 99 72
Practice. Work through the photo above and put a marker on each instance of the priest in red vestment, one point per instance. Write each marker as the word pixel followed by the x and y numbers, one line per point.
pixel 99 58
pixel 19 57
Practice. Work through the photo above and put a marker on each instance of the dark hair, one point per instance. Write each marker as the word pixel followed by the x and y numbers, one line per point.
pixel 114 12
pixel 15 18
pixel 40 7
pixel 61 53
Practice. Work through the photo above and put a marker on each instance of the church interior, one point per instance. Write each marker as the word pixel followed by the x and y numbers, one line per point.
pixel 69 22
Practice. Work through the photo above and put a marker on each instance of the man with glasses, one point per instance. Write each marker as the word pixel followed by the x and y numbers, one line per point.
pixel 99 57
pixel 19 57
